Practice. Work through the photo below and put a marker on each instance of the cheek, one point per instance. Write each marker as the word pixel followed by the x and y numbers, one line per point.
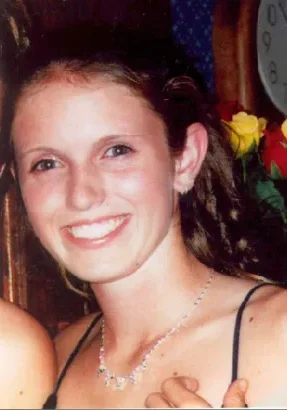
pixel 40 203
pixel 147 186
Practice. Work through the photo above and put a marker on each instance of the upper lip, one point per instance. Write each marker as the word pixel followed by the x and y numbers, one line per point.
pixel 93 221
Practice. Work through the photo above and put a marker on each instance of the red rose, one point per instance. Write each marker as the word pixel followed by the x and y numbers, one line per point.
pixel 273 133
pixel 227 109
pixel 275 150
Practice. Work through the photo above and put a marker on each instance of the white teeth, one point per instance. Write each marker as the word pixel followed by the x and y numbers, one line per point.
pixel 96 230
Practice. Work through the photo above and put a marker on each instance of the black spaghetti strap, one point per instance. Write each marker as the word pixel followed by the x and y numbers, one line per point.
pixel 51 402
pixel 237 328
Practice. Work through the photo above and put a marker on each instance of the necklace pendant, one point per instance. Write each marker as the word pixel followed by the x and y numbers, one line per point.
pixel 121 383
pixel 107 380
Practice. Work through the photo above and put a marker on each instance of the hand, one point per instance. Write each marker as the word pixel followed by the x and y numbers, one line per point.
pixel 235 395
pixel 180 392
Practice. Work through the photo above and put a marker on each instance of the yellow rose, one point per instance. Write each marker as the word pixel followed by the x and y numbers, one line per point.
pixel 284 128
pixel 245 130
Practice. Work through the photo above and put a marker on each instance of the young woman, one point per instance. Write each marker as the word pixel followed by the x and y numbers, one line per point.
pixel 127 181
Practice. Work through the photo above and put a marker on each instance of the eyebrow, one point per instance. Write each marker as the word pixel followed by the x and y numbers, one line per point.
pixel 102 139
pixel 49 150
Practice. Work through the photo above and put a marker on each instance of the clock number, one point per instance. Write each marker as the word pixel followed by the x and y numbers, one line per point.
pixel 283 7
pixel 271 14
pixel 273 77
pixel 266 38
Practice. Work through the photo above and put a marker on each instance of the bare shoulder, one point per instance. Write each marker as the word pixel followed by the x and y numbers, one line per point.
pixel 27 358
pixel 270 306
pixel 67 339
pixel 263 357
pixel 265 307
pixel 242 284
pixel 269 300
pixel 262 339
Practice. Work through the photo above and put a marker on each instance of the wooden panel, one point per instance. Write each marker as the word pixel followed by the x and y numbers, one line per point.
pixel 235 57
pixel 224 49
pixel 14 260
pixel 248 78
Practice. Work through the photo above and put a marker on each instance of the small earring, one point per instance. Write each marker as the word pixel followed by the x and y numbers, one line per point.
pixel 186 188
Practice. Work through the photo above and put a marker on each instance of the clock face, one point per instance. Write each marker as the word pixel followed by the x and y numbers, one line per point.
pixel 272 50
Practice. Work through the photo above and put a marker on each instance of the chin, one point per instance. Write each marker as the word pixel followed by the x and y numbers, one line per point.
pixel 97 273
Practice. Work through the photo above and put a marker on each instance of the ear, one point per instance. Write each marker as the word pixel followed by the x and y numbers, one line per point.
pixel 188 164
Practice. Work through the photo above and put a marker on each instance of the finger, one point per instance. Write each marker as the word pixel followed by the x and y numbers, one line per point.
pixel 235 395
pixel 156 401
pixel 180 392
pixel 189 383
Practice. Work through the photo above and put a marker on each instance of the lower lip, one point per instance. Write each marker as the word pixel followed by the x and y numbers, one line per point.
pixel 86 243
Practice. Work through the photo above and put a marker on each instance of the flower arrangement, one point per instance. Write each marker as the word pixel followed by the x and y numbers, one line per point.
pixel 260 148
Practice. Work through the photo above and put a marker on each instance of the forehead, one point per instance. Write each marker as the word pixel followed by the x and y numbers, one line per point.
pixel 65 89
pixel 61 106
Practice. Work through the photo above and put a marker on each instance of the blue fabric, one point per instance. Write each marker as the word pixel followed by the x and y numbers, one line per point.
pixel 192 22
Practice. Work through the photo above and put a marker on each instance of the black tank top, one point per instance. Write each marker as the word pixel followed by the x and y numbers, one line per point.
pixel 51 402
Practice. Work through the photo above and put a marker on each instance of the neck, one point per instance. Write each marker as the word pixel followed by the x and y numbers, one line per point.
pixel 163 290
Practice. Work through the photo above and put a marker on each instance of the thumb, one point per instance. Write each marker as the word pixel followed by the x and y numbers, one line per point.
pixel 236 394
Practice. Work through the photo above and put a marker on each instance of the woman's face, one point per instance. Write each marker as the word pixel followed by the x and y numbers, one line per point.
pixel 95 174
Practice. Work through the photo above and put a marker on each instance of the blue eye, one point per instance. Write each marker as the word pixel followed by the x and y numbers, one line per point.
pixel 45 165
pixel 118 150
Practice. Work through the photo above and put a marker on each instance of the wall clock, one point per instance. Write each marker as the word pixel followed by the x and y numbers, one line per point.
pixel 272 50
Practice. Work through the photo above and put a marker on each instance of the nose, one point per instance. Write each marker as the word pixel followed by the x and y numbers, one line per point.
pixel 85 188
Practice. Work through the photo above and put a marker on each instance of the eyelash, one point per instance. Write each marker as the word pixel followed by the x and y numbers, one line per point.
pixel 125 149
pixel 44 162
pixel 49 164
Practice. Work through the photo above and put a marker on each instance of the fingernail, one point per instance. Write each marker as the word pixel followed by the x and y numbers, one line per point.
pixel 190 383
pixel 243 385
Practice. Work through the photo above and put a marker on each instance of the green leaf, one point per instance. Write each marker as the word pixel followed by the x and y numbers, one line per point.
pixel 268 193
pixel 275 171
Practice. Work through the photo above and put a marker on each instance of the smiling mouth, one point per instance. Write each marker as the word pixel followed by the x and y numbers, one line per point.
pixel 96 230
